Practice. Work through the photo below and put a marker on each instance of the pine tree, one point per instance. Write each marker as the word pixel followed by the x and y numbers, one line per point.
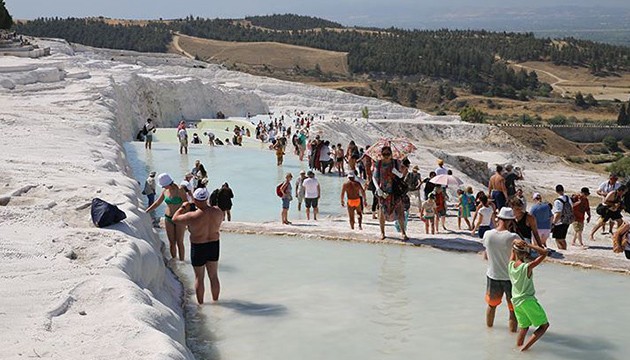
pixel 579 100
pixel 6 21
pixel 623 118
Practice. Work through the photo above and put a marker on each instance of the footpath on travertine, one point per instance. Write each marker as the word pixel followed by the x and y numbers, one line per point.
pixel 599 255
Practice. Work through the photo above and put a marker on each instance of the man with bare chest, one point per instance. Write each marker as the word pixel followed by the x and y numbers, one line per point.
pixel 355 192
pixel 497 191
pixel 204 225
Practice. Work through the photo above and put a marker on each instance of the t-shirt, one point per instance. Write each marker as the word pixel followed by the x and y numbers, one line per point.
pixel 441 171
pixel 498 246
pixel 310 188
pixel 580 210
pixel 510 183
pixel 182 134
pixel 150 127
pixel 606 187
pixel 486 212
pixel 557 205
pixel 324 155
pixel 522 285
pixel 542 213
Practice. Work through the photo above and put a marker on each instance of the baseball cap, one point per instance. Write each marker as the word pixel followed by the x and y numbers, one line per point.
pixel 165 180
pixel 201 194
pixel 351 175
pixel 585 190
pixel 536 196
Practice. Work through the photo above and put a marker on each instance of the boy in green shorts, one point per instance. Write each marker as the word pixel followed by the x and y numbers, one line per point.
pixel 526 308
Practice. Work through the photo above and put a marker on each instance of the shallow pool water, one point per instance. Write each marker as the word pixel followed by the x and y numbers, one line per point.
pixel 251 172
pixel 301 298
pixel 298 298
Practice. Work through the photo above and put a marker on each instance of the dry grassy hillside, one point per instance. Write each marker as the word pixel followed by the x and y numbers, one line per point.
pixel 275 56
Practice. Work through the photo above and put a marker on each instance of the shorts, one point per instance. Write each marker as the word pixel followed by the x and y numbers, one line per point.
pixel 428 217
pixel 612 215
pixel 200 254
pixel 530 313
pixel 544 233
pixel 300 198
pixel 339 159
pixel 499 199
pixel 482 230
pixel 311 202
pixel 183 142
pixel 560 231
pixel 286 203
pixel 495 290
pixel 441 212
pixel 354 202
pixel 578 226
pixel 148 137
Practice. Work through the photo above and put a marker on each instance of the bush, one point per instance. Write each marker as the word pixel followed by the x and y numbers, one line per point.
pixel 611 143
pixel 576 159
pixel 602 159
pixel 621 167
pixel 470 114
pixel 558 120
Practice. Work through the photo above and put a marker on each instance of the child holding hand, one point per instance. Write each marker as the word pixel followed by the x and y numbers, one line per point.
pixel 526 307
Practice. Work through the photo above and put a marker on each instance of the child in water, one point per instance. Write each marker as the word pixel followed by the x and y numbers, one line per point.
pixel 526 307
pixel 427 214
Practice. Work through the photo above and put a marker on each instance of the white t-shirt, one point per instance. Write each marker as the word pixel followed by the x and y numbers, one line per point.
pixel 324 153
pixel 441 171
pixel 182 134
pixel 189 186
pixel 310 188
pixel 149 126
pixel 606 187
pixel 486 211
pixel 499 248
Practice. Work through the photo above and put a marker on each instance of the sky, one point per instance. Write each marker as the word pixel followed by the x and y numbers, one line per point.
pixel 382 13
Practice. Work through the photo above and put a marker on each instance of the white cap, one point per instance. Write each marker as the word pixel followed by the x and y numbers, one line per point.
pixel 351 175
pixel 165 180
pixel 536 196
pixel 201 194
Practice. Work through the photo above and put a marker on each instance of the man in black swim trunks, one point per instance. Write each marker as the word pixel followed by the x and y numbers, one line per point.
pixel 204 224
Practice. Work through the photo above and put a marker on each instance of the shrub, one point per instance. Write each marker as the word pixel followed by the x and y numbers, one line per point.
pixel 470 114
pixel 558 120
pixel 611 143
pixel 576 159
pixel 621 167
pixel 602 159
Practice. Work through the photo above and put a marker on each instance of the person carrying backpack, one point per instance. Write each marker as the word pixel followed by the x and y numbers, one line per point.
pixel 562 217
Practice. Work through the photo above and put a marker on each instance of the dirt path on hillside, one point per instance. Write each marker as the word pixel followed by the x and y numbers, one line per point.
pixel 179 48
pixel 554 85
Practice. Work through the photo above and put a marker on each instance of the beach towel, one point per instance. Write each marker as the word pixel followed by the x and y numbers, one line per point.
pixel 105 214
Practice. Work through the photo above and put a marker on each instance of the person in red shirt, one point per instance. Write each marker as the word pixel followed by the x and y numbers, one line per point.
pixel 440 207
pixel 581 207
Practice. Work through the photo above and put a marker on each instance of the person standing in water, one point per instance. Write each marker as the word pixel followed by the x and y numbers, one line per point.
pixel 182 136
pixel 174 197
pixel 224 197
pixel 353 190
pixel 204 225
pixel 148 131
pixel 149 191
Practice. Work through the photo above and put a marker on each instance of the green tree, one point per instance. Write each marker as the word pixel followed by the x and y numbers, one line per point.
pixel 623 118
pixel 470 114
pixel 6 21
pixel 579 100
pixel 611 143
pixel 365 113
pixel 620 167
pixel 590 100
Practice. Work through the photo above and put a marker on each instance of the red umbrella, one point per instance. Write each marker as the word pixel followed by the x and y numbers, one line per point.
pixel 401 148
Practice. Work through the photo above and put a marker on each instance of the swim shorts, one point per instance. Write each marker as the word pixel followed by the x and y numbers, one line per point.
pixel 560 231
pixel 200 254
pixel 354 202
pixel 495 290
pixel 530 313
pixel 499 199
pixel 482 230
pixel 148 137
pixel 612 215
pixel 311 202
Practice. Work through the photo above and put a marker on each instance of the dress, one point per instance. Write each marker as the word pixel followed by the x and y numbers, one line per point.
pixel 385 180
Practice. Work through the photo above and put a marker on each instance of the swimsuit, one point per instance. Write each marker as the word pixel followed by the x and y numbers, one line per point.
pixel 200 254
pixel 354 202
pixel 173 201
pixel 169 219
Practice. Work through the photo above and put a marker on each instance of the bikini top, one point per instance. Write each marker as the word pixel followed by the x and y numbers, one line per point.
pixel 173 201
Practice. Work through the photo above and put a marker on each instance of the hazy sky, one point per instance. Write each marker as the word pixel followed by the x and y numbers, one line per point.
pixel 347 12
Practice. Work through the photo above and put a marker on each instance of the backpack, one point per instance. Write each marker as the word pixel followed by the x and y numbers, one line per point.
pixel 279 191
pixel 105 214
pixel 566 216
pixel 144 130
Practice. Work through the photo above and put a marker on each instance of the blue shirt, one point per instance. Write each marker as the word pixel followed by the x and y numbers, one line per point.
pixel 542 213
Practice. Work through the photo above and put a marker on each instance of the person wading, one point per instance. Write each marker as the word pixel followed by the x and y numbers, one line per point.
pixel 353 190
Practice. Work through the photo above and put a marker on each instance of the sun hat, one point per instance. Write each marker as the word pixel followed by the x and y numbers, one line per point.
pixel 415 168
pixel 165 180
pixel 536 196
pixel 506 213
pixel 440 162
pixel 201 194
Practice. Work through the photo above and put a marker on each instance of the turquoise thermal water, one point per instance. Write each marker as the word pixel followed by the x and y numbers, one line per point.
pixel 298 298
